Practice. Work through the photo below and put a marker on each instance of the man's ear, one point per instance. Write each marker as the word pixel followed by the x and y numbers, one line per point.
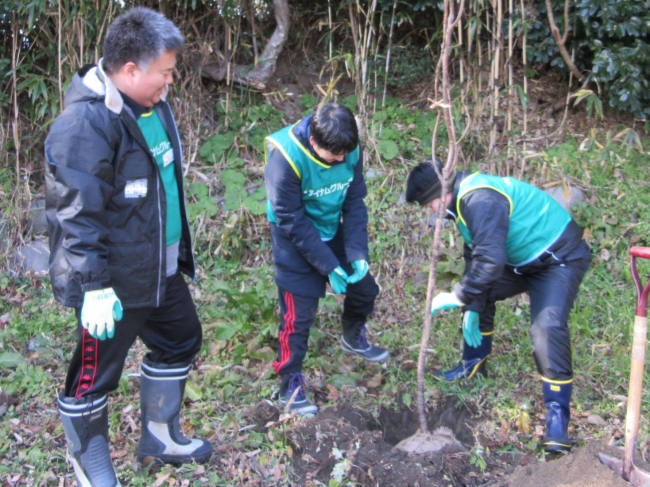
pixel 129 71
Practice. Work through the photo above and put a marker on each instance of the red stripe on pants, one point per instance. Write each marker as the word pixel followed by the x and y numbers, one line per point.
pixel 89 359
pixel 288 328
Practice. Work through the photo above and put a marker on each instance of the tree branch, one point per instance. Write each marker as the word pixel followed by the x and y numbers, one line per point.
pixel 561 41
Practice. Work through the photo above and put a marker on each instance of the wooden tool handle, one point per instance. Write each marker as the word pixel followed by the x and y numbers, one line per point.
pixel 634 392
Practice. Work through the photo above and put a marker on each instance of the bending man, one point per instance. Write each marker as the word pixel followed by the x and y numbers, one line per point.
pixel 517 239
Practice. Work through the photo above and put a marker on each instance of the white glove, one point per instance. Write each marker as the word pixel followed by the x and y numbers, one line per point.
pixel 100 310
pixel 444 301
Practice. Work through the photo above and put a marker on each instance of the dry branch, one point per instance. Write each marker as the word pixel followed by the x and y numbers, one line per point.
pixel 258 76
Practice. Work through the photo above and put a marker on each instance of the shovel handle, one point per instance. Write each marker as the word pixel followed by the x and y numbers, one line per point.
pixel 638 359
pixel 642 292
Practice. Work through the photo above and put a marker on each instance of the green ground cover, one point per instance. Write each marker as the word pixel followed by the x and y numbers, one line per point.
pixel 236 299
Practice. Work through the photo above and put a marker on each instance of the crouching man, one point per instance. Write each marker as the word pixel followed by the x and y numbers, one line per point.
pixel 318 219
pixel 517 239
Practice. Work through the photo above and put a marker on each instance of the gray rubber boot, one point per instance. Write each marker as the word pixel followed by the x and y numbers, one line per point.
pixel 85 422
pixel 161 394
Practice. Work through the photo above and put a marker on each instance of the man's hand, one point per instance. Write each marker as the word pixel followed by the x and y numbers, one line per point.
pixel 360 270
pixel 471 331
pixel 100 310
pixel 444 301
pixel 339 280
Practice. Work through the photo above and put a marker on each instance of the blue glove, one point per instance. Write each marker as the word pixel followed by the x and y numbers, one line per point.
pixel 471 332
pixel 99 312
pixel 339 280
pixel 444 301
pixel 360 270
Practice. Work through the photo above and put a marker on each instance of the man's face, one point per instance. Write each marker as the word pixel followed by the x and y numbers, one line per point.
pixel 437 204
pixel 324 154
pixel 434 205
pixel 147 88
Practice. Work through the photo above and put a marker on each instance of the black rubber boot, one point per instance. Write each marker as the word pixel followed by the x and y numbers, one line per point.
pixel 474 362
pixel 85 422
pixel 557 399
pixel 161 394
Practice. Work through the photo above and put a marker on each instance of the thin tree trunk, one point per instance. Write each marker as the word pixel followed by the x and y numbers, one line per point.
pixel 561 41
pixel 450 21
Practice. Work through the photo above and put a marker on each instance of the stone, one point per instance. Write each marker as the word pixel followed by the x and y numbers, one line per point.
pixel 373 173
pixel 36 222
pixel 32 257
pixel 568 199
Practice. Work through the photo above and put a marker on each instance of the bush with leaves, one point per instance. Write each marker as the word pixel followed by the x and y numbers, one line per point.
pixel 621 64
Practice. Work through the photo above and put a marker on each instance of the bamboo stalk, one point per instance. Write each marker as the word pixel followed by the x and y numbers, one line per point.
pixel 510 85
pixel 388 53
pixel 15 54
pixel 525 108
pixel 60 60
pixel 329 24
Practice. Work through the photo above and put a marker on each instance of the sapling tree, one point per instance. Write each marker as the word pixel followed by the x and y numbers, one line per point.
pixel 423 441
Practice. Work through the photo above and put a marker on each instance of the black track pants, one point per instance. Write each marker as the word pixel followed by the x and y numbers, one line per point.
pixel 172 333
pixel 552 283
pixel 298 313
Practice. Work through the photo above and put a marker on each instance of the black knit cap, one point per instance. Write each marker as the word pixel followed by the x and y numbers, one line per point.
pixel 423 185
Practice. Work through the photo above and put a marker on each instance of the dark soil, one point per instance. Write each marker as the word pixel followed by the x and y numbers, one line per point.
pixel 362 447
pixel 368 443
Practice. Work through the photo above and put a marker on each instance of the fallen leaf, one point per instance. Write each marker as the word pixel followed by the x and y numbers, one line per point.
pixel 523 423
pixel 333 393
pixel 375 381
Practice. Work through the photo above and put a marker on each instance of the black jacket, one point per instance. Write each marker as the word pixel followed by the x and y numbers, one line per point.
pixel 103 233
pixel 487 214
pixel 301 258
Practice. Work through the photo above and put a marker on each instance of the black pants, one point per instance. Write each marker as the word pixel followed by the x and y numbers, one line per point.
pixel 552 283
pixel 172 333
pixel 298 313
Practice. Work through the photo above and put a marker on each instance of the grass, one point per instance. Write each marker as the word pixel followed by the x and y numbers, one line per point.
pixel 237 300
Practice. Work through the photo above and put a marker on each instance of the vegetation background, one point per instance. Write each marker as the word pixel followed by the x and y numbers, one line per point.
pixel 558 100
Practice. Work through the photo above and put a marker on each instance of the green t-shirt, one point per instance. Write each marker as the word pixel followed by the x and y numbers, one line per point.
pixel 162 151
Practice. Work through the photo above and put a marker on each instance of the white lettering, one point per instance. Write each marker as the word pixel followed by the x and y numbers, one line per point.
pixel 333 188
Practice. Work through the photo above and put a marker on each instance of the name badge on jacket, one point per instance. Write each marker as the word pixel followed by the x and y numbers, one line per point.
pixel 136 189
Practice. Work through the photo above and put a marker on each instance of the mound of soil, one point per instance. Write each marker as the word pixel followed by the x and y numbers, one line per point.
pixel 581 468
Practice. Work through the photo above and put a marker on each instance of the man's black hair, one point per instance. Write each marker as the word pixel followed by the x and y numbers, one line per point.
pixel 140 35
pixel 335 129
pixel 422 184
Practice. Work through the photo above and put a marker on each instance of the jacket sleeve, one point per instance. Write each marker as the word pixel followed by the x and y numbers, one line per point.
pixel 80 160
pixel 284 193
pixel 487 214
pixel 355 216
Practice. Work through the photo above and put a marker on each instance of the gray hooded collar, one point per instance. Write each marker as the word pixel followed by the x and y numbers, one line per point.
pixel 99 82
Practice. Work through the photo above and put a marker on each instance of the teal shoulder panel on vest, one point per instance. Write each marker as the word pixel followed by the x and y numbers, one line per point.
pixel 536 219
pixel 323 186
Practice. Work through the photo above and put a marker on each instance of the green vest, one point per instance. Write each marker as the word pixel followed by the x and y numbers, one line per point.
pixel 536 219
pixel 323 186
pixel 163 152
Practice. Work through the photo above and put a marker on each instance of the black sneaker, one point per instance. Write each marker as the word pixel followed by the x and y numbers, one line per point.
pixel 369 353
pixel 300 404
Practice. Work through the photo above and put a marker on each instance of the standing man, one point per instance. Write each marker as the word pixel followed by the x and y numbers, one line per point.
pixel 318 219
pixel 119 241
pixel 517 239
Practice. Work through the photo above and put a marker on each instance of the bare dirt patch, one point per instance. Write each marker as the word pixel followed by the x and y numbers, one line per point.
pixel 343 441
